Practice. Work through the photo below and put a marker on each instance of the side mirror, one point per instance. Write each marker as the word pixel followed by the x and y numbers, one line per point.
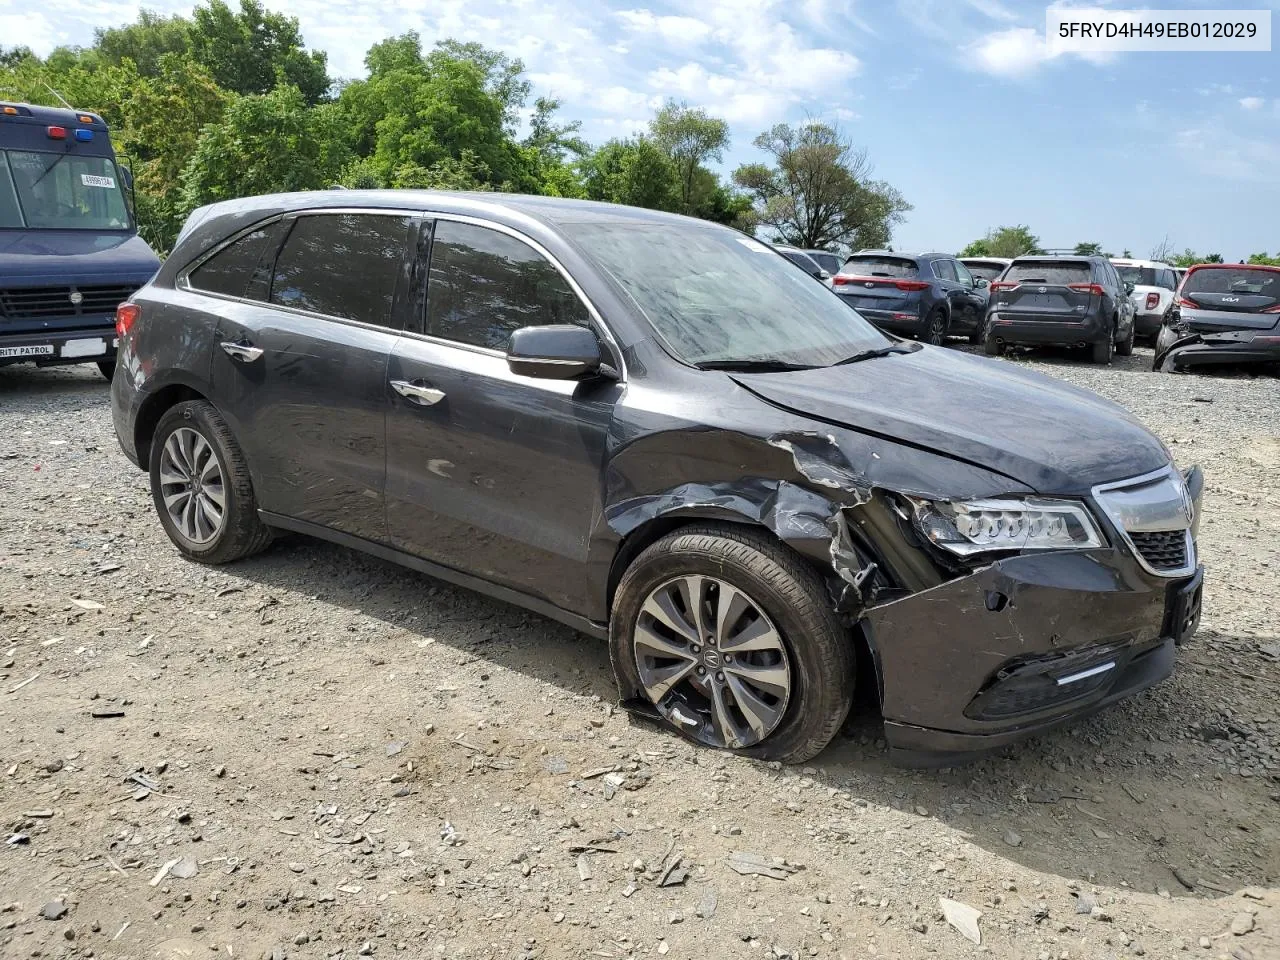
pixel 823 276
pixel 1128 288
pixel 980 284
pixel 558 352
pixel 126 177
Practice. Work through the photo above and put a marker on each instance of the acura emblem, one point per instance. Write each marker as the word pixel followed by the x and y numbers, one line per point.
pixel 76 298
pixel 711 659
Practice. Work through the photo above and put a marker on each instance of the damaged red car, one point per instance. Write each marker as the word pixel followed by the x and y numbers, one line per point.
pixel 660 432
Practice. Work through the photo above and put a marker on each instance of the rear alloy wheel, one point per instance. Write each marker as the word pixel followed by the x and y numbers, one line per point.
pixel 935 328
pixel 732 639
pixel 991 345
pixel 200 486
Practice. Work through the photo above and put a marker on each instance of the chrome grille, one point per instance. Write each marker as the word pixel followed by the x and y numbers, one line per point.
pixel 1163 549
pixel 37 303
pixel 1154 515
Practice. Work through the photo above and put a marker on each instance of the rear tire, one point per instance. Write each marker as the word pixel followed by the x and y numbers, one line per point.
pixel 977 334
pixel 1125 347
pixel 107 368
pixel 991 346
pixel 935 328
pixel 214 520
pixel 816 651
pixel 1103 352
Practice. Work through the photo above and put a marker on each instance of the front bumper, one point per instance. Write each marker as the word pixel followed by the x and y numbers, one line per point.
pixel 1011 328
pixel 1022 646
pixel 93 343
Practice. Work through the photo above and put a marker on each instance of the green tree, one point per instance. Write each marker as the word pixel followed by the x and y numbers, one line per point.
pixel 1263 259
pixel 1013 241
pixel 1088 250
pixel 690 137
pixel 254 50
pixel 503 77
pixel 819 193
pixel 266 143
pixel 144 41
pixel 636 172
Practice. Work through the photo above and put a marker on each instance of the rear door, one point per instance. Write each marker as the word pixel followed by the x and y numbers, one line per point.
pixel 1240 297
pixel 299 368
pixel 1053 290
pixel 972 297
pixel 878 284
pixel 488 472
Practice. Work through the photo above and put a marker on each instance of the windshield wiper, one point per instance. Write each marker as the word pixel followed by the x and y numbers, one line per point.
pixel 752 366
pixel 49 169
pixel 879 352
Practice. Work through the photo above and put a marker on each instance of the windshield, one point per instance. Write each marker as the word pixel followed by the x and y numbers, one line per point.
pixel 983 269
pixel 880 267
pixel 714 295
pixel 60 191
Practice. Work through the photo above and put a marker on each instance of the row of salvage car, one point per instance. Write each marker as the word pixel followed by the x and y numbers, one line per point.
pixel 1211 313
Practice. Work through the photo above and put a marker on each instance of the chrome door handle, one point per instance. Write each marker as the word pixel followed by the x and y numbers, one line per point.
pixel 241 351
pixel 417 392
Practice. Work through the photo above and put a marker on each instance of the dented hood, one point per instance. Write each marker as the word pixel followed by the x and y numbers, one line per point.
pixel 1045 434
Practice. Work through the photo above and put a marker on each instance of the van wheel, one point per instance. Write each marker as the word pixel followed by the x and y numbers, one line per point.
pixel 991 346
pixel 107 368
pixel 200 486
pixel 1125 347
pixel 1102 352
pixel 733 640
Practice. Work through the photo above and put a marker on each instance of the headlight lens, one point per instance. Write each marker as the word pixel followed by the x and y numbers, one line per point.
pixel 967 527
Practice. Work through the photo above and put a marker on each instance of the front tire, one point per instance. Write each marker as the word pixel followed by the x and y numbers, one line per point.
pixel 733 640
pixel 201 488
pixel 107 368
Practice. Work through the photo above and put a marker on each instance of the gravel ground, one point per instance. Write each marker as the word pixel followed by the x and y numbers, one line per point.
pixel 317 754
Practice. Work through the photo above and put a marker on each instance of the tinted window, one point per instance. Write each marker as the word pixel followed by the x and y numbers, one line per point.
pixel 943 270
pixel 342 265
pixel 802 260
pixel 484 285
pixel 1050 271
pixel 1138 276
pixel 1168 280
pixel 962 272
pixel 987 271
pixel 1235 280
pixel 879 267
pixel 229 270
pixel 827 261
pixel 713 294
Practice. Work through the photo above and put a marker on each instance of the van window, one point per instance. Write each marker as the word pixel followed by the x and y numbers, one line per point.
pixel 343 265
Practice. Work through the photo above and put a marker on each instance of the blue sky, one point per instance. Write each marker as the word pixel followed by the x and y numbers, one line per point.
pixel 958 102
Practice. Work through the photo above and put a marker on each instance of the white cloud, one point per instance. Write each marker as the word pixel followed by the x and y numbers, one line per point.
pixel 1252 103
pixel 672 29
pixel 1011 52
pixel 1230 157
pixel 33 30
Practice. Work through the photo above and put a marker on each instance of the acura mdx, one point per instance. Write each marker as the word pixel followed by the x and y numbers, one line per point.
pixel 657 430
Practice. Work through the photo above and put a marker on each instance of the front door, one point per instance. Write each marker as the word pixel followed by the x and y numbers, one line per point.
pixel 490 473
pixel 300 367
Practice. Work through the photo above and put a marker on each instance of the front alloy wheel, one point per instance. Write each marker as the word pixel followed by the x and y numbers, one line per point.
pixel 712 662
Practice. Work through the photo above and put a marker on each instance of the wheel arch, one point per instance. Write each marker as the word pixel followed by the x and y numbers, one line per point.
pixel 152 409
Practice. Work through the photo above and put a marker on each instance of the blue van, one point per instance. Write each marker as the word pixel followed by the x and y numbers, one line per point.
pixel 69 247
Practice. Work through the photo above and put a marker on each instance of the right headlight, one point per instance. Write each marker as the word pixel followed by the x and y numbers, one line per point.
pixel 965 527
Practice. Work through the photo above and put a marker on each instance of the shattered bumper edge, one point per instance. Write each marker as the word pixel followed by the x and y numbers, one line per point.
pixel 924 747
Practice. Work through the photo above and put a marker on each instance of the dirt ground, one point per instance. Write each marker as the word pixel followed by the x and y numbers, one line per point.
pixel 317 754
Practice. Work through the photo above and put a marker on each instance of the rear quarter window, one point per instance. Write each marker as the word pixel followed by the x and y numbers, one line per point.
pixel 1059 273
pixel 230 270
pixel 880 267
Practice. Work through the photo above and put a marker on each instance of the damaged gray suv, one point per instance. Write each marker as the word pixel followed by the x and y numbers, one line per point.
pixel 658 431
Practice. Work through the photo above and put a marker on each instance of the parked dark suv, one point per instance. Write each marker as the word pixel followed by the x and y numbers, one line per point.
pixel 929 296
pixel 1069 301
pixel 658 431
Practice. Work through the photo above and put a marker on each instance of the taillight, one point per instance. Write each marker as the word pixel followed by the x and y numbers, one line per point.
pixel 1272 309
pixel 911 284
pixel 1153 300
pixel 1184 302
pixel 127 315
pixel 841 281
pixel 1094 289
pixel 997 285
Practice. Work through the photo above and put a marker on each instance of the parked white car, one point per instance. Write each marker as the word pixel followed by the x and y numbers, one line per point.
pixel 1154 286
